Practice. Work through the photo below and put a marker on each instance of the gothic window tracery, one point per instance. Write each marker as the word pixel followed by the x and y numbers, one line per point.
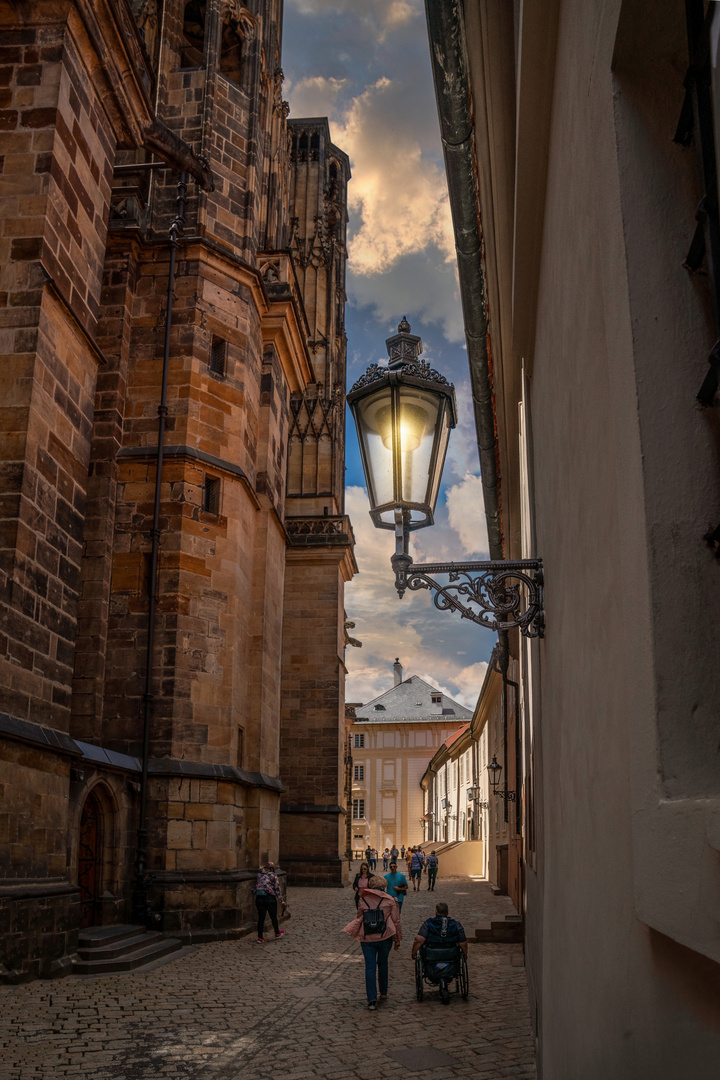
pixel 237 27
pixel 193 52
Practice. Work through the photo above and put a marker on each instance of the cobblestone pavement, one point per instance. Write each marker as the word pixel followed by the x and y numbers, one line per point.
pixel 288 1010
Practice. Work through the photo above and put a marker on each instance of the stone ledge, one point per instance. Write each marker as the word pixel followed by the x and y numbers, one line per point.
pixel 206 877
pixel 312 808
pixel 49 739
pixel 34 888
pixel 201 770
pixel 37 735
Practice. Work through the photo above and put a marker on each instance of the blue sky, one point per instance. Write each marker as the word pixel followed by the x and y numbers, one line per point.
pixel 367 68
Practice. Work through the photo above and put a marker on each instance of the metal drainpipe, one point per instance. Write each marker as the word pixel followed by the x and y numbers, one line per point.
pixel 503 653
pixel 141 911
pixel 446 31
pixel 518 755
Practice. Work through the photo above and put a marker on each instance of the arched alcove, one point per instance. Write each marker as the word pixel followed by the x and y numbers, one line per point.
pixel 95 852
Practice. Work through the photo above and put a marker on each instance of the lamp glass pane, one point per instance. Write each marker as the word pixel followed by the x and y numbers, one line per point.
pixel 374 423
pixel 442 445
pixel 417 414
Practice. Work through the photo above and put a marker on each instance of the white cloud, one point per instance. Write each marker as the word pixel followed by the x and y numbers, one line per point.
pixel 314 96
pixel 462 454
pixel 469 682
pixel 429 643
pixel 398 192
pixel 382 16
pixel 466 515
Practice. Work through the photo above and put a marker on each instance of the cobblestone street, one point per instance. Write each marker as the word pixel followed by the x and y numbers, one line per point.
pixel 291 1009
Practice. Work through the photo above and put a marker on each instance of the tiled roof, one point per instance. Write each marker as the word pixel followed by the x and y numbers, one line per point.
pixel 456 735
pixel 410 702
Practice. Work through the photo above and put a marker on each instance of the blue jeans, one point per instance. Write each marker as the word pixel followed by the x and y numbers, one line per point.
pixel 376 955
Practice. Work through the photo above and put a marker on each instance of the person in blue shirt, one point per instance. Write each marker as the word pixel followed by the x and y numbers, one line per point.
pixel 431 931
pixel 397 883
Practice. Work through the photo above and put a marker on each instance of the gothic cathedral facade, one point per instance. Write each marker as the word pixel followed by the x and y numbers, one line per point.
pixel 174 546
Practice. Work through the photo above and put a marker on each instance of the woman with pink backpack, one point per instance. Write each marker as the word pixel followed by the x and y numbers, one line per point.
pixel 377 927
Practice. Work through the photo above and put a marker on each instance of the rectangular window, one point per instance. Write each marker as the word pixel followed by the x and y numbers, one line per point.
pixel 360 740
pixel 211 495
pixel 218 356
pixel 359 772
pixel 436 699
pixel 240 747
pixel 358 809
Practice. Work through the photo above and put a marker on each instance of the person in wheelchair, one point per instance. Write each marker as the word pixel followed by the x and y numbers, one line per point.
pixel 440 953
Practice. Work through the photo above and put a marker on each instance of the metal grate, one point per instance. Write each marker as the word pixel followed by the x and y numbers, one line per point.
pixel 218 357
pixel 211 495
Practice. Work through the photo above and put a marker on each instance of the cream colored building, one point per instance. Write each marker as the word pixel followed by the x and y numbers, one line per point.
pixel 472 828
pixel 391 740
pixel 583 137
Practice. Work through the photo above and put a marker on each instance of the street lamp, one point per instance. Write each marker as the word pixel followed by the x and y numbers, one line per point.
pixel 404 413
pixel 495 769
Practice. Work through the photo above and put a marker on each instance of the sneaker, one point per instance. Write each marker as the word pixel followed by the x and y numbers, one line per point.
pixel 372 1006
pixel 279 933
pixel 261 941
pixel 382 997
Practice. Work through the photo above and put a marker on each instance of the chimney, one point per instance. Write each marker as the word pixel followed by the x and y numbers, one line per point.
pixel 397 669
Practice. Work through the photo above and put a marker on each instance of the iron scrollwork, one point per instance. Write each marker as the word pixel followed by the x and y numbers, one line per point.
pixel 497 595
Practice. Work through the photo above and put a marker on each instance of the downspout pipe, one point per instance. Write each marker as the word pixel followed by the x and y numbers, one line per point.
pixel 446 31
pixel 141 910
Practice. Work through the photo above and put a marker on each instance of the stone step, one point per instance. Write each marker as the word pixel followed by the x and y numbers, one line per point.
pixel 130 961
pixel 102 935
pixel 506 931
pixel 118 947
pixel 483 932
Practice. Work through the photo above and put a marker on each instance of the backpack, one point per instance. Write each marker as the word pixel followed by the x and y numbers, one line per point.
pixel 374 921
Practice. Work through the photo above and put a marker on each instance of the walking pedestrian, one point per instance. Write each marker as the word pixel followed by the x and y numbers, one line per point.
pixel 386 858
pixel 394 852
pixel 417 864
pixel 368 853
pixel 431 865
pixel 402 852
pixel 373 859
pixel 361 880
pixel 267 894
pixel 408 858
pixel 377 928
pixel 397 885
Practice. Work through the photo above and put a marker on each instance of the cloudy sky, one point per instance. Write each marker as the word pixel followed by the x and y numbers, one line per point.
pixel 367 67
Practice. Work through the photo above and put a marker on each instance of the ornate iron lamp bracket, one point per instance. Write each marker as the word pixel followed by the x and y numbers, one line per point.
pixel 510 796
pixel 499 595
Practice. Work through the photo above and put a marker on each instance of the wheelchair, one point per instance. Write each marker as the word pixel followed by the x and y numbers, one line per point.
pixel 440 965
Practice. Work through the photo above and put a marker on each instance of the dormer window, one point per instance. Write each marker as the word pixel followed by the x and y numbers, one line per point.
pixel 379 708
pixel 436 699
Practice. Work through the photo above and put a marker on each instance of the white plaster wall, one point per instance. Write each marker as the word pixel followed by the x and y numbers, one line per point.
pixel 625 485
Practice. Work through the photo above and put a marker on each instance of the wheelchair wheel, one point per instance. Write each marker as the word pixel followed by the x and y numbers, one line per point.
pixel 418 978
pixel 464 979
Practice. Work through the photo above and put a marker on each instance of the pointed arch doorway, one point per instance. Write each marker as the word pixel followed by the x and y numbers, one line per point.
pixel 90 860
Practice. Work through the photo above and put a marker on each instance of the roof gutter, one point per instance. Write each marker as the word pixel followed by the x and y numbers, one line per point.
pixel 446 31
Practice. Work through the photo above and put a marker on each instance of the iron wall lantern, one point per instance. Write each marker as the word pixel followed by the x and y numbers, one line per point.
pixel 404 413
pixel 495 768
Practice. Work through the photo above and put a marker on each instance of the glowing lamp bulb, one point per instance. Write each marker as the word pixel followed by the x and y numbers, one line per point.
pixel 413 424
